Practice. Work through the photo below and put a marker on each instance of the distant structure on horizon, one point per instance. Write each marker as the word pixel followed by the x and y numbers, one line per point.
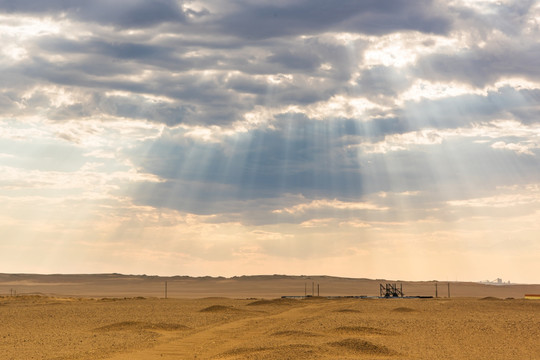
pixel 390 290
pixel 497 281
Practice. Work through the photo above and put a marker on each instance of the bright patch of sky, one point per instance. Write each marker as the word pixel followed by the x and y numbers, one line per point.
pixel 391 139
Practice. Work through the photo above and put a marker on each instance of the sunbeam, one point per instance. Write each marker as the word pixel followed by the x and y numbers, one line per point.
pixel 366 139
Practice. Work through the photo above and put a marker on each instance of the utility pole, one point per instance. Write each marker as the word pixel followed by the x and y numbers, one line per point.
pixel 165 289
pixel 436 291
pixel 449 290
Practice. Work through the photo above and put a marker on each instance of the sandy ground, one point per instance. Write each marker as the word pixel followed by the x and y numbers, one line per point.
pixel 126 317
pixel 37 327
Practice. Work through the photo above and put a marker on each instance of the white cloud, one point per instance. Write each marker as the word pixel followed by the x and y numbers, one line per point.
pixel 340 106
pixel 329 204
pixel 518 148
pixel 497 129
pixel 88 179
pixel 316 223
pixel 507 197
pixel 425 89
pixel 401 142
pixel 403 49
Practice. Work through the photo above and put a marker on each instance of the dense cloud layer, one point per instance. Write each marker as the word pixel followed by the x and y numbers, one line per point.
pixel 309 114
pixel 121 13
pixel 261 20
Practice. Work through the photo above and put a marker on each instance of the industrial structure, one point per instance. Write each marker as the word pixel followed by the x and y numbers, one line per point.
pixel 390 290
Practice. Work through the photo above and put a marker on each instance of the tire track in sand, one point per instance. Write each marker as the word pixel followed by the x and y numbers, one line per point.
pixel 219 340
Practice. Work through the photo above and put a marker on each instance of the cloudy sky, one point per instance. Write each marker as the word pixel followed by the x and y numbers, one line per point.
pixel 384 139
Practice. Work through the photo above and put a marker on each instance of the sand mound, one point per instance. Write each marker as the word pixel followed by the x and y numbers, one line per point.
pixel 273 302
pixel 166 326
pixel 218 308
pixel 361 346
pixel 294 333
pixel 347 311
pixel 364 330
pixel 292 351
pixel 403 310
pixel 124 325
pixel 214 298
pixel 490 298
pixel 137 325
pixel 244 351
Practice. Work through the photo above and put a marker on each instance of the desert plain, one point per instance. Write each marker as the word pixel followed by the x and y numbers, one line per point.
pixel 128 317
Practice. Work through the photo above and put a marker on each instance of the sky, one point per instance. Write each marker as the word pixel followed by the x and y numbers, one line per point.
pixel 373 139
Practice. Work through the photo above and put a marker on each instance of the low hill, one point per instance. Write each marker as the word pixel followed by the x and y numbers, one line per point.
pixel 258 286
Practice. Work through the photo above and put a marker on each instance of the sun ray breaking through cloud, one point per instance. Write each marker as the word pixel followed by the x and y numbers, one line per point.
pixel 204 138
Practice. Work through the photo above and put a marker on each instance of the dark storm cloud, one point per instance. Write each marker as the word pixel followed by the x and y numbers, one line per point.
pixel 296 60
pixel 115 56
pixel 248 84
pixel 118 50
pixel 132 107
pixel 302 157
pixel 7 104
pixel 101 65
pixel 246 178
pixel 87 73
pixel 108 61
pixel 381 82
pixel 214 67
pixel 467 110
pixel 503 44
pixel 260 20
pixel 463 111
pixel 118 13
pixel 510 17
pixel 116 60
pixel 483 66
pixel 206 97
pixel 254 20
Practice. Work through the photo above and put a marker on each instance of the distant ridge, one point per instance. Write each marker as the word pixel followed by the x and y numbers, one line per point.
pixel 244 286
pixel 236 277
